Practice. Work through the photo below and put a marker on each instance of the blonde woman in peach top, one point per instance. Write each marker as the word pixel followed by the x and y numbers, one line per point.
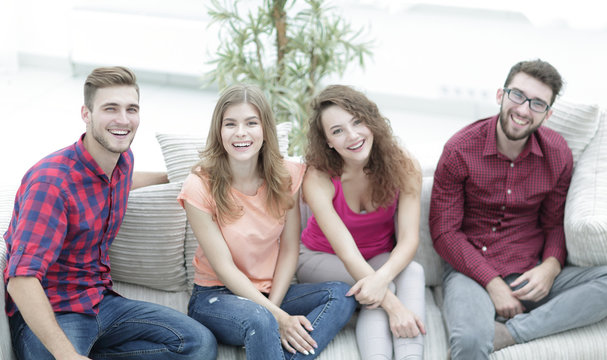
pixel 242 203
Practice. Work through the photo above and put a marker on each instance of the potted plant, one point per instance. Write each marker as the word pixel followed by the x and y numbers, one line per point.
pixel 285 48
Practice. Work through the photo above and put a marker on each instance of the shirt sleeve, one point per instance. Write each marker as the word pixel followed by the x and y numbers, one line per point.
pixel 39 232
pixel 446 217
pixel 196 192
pixel 552 213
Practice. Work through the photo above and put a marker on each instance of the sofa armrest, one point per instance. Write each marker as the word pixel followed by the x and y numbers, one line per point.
pixel 586 207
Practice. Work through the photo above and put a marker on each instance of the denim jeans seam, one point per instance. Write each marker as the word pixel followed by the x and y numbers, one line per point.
pixel 156 351
pixel 326 306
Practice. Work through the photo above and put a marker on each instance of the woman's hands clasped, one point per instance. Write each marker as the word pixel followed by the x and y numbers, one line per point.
pixel 372 291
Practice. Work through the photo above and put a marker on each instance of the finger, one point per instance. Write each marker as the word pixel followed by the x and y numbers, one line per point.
pixel 287 346
pixel 355 289
pixel 373 306
pixel 519 280
pixel 301 344
pixel 420 325
pixel 305 335
pixel 524 290
pixel 305 323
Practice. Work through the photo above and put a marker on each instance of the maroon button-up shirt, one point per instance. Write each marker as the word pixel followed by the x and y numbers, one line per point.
pixel 490 216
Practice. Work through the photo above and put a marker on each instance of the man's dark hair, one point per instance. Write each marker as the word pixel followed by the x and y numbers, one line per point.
pixel 540 70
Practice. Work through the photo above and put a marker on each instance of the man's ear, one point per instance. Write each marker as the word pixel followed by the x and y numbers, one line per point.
pixel 499 96
pixel 86 114
pixel 548 115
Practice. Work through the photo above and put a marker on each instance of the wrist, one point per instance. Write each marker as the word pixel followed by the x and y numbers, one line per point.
pixel 391 303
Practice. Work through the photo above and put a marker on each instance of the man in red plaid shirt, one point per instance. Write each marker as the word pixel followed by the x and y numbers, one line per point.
pixel 67 212
pixel 496 218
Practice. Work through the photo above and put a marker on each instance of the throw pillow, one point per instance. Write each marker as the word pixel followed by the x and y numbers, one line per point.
pixel 586 206
pixel 149 248
pixel 576 123
pixel 182 151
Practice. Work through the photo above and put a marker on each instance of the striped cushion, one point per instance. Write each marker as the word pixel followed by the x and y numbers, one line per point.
pixel 576 123
pixel 586 206
pixel 149 248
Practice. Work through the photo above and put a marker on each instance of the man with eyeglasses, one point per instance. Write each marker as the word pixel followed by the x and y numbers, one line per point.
pixel 496 218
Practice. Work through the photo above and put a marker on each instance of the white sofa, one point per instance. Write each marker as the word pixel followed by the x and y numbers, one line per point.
pixel 151 256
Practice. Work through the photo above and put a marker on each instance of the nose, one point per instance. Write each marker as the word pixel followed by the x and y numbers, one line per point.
pixel 240 129
pixel 350 133
pixel 122 117
pixel 525 107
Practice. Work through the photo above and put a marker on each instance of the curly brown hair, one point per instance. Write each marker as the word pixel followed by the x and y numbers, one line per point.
pixel 215 166
pixel 389 168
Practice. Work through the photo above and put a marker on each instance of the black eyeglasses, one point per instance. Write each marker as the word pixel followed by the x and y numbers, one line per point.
pixel 517 97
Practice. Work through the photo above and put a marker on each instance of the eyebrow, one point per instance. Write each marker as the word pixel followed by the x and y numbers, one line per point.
pixel 535 98
pixel 338 125
pixel 249 118
pixel 116 104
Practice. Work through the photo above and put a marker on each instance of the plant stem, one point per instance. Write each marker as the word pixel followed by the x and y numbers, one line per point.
pixel 280 22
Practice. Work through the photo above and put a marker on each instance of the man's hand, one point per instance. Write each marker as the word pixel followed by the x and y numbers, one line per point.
pixel 506 304
pixel 539 281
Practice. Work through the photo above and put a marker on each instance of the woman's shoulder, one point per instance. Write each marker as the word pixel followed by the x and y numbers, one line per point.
pixel 296 170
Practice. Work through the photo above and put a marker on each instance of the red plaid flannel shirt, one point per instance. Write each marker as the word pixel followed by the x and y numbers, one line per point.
pixel 66 215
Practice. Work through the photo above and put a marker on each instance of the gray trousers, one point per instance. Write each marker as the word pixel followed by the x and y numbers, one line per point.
pixel 373 335
pixel 577 298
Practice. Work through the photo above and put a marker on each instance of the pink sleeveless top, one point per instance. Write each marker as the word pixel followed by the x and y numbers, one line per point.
pixel 373 232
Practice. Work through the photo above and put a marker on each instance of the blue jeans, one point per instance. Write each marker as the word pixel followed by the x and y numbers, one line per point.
pixel 238 321
pixel 576 299
pixel 123 329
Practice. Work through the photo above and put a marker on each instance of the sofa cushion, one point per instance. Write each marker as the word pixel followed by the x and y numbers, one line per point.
pixel 149 248
pixel 181 151
pixel 576 123
pixel 426 255
pixel 586 205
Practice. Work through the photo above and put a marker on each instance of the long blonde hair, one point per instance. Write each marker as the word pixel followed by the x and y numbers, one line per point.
pixel 214 163
pixel 389 168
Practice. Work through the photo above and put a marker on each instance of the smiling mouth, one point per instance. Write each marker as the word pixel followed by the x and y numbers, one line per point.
pixel 357 145
pixel 119 132
pixel 519 121
pixel 242 145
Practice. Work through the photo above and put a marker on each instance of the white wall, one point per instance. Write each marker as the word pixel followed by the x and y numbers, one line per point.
pixel 420 51
pixel 8 39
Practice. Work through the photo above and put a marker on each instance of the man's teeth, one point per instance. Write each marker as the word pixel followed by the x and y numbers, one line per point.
pixel 119 132
pixel 520 122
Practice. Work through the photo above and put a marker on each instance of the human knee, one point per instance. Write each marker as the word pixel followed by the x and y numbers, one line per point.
pixel 338 291
pixel 260 319
pixel 200 343
pixel 416 270
pixel 467 345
